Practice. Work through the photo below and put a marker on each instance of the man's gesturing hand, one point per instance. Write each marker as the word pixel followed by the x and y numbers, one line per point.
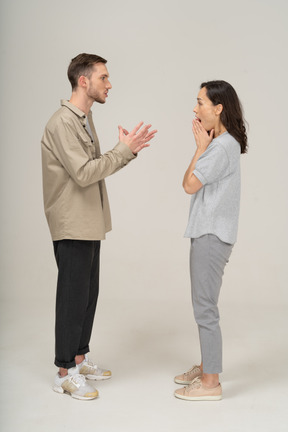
pixel 138 138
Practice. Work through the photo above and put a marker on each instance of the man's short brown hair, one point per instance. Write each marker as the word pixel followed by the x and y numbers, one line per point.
pixel 82 64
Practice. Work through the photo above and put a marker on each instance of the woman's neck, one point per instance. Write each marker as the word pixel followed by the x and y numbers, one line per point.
pixel 219 130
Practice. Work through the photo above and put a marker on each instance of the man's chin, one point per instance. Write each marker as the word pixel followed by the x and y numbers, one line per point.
pixel 101 101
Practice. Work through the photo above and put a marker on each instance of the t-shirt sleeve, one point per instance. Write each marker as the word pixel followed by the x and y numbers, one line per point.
pixel 212 164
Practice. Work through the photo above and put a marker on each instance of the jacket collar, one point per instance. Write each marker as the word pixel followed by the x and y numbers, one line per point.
pixel 82 116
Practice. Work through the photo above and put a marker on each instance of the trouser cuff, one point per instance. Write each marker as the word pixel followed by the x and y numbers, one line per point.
pixel 83 351
pixel 65 365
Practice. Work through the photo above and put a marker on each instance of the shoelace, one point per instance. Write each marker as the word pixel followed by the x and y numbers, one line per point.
pixel 90 363
pixel 77 379
pixel 196 383
pixel 192 369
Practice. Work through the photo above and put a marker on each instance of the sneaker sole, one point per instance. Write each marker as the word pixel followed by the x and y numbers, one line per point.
pixel 75 396
pixel 178 381
pixel 83 397
pixel 199 398
pixel 97 377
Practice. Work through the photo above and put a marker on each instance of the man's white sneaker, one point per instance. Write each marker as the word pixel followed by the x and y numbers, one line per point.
pixel 93 372
pixel 75 385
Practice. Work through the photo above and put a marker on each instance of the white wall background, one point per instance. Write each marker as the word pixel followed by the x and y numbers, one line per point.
pixel 158 54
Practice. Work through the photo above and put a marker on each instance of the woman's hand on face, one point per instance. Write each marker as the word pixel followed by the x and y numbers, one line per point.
pixel 202 138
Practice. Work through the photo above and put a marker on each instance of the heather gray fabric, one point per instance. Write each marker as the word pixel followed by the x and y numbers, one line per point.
pixel 214 208
pixel 208 257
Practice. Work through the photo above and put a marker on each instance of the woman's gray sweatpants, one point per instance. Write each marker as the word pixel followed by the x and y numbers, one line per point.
pixel 208 257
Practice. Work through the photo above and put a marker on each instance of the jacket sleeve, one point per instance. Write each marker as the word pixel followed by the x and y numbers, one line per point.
pixel 66 145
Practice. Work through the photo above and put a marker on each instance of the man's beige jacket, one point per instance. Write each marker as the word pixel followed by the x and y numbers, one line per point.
pixel 75 197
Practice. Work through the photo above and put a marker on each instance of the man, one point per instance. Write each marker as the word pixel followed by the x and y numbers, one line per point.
pixel 78 215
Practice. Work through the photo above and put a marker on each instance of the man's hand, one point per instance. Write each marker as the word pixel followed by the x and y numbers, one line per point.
pixel 138 138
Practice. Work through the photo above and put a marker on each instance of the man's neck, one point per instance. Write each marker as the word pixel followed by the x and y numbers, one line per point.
pixel 81 102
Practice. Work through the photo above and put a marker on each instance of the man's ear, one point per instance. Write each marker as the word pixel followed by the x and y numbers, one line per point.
pixel 82 81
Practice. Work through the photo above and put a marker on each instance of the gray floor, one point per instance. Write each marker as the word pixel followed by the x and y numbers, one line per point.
pixel 145 346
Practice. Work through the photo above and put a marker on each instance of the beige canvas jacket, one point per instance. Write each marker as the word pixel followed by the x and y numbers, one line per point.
pixel 75 197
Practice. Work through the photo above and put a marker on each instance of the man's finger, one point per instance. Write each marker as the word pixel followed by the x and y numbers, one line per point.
pixel 143 131
pixel 135 130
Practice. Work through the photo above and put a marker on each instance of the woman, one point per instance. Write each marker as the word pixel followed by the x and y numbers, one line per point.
pixel 213 180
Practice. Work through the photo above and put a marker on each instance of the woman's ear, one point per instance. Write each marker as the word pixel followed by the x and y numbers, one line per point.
pixel 218 109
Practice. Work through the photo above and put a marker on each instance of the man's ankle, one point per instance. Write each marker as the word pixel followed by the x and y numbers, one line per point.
pixel 63 372
pixel 79 359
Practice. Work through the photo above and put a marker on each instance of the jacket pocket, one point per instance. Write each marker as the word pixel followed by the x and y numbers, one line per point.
pixel 87 144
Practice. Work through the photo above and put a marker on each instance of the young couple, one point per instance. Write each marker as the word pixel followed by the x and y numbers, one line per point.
pixel 77 211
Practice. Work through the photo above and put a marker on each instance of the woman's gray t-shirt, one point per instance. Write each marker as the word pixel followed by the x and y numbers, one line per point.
pixel 215 207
